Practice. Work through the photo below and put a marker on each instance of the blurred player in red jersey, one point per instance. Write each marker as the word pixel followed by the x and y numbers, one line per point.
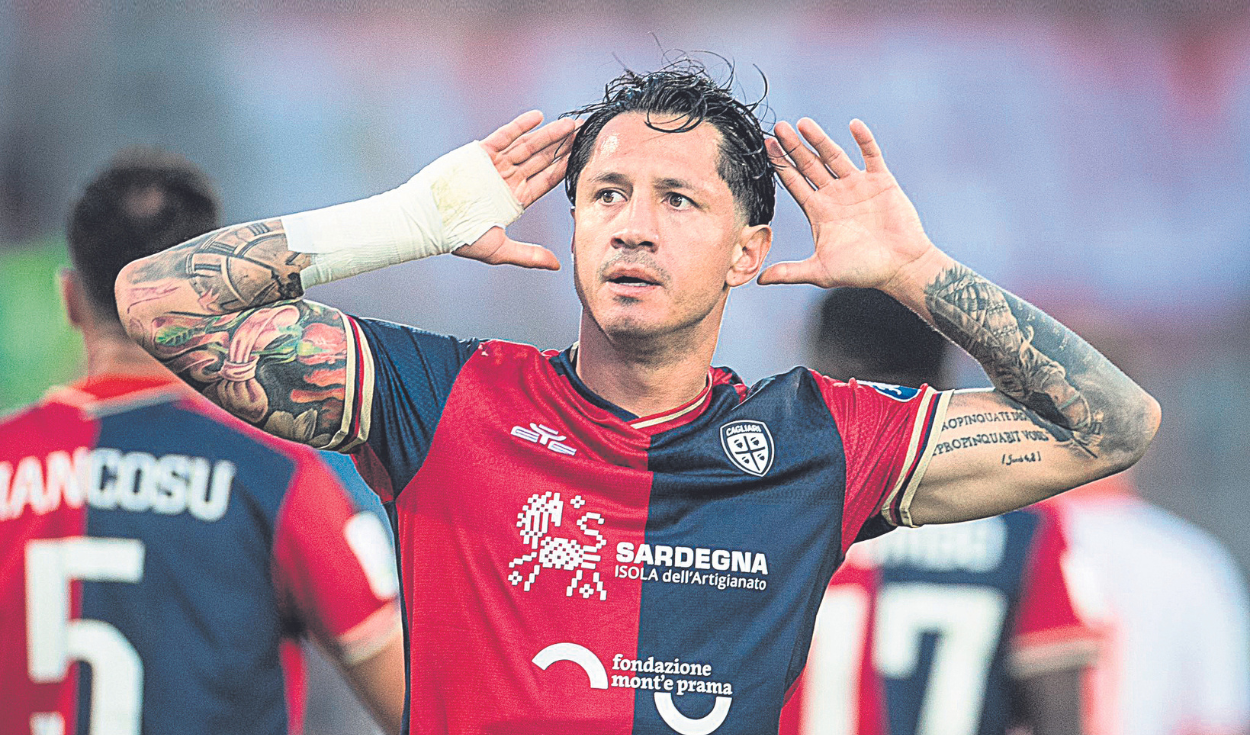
pixel 962 629
pixel 157 556
pixel 1176 657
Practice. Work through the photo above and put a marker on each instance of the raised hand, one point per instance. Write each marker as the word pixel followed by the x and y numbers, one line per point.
pixel 531 162
pixel 865 229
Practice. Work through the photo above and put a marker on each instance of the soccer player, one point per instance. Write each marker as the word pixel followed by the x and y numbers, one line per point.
pixel 960 628
pixel 156 554
pixel 617 537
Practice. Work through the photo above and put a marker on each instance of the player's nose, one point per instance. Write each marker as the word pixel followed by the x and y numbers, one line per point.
pixel 638 225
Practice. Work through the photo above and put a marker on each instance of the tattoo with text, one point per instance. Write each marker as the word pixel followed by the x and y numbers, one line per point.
pixel 1063 385
pixel 1010 459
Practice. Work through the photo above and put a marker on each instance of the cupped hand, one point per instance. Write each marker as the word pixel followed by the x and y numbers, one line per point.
pixel 865 229
pixel 531 162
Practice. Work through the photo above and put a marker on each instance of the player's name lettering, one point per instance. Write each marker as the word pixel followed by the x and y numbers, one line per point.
pixel 975 546
pixel 109 479
pixel 685 557
pixel 976 440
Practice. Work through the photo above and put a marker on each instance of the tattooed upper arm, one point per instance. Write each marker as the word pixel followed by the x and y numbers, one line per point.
pixel 281 367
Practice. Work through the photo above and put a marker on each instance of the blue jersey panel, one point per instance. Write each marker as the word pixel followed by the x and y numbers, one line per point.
pixel 202 499
pixel 415 371
pixel 754 539
pixel 984 561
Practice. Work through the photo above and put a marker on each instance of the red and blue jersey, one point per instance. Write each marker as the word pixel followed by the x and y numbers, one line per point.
pixel 156 558
pixel 568 567
pixel 929 629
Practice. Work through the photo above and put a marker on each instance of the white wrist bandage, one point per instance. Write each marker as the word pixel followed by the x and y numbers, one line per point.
pixel 450 203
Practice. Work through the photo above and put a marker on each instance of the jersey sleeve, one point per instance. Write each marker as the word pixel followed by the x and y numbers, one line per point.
pixel 399 379
pixel 888 435
pixel 1056 626
pixel 334 566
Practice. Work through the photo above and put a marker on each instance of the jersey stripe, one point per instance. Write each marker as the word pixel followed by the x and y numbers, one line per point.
pixel 897 505
pixel 358 388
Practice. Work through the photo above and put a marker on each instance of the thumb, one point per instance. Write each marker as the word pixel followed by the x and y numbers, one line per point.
pixel 496 248
pixel 797 271
pixel 526 255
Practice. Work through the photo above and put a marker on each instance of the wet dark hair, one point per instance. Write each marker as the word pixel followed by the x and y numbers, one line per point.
pixel 145 201
pixel 686 90
pixel 864 333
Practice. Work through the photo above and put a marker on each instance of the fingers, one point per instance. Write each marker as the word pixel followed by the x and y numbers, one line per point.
pixel 804 159
pixel 542 182
pixel 540 158
pixel 508 134
pixel 549 136
pixel 873 160
pixel 794 182
pixel 800 271
pixel 831 154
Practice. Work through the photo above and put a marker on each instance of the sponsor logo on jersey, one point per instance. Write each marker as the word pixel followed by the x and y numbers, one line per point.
pixel 665 678
pixel 544 436
pixel 718 568
pixel 537 522
pixel 749 445
pixel 897 392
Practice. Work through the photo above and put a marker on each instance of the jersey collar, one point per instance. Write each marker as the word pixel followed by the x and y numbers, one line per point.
pixel 113 392
pixel 565 364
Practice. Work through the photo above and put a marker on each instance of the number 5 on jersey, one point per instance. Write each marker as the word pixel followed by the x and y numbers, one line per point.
pixel 54 640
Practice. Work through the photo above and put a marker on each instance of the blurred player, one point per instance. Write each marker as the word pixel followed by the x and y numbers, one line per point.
pixel 1177 651
pixel 618 537
pixel 958 629
pixel 155 553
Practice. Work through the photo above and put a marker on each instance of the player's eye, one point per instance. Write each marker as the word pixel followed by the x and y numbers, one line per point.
pixel 678 201
pixel 610 196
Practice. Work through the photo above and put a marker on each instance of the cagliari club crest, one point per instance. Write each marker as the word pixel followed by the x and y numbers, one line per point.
pixel 748 445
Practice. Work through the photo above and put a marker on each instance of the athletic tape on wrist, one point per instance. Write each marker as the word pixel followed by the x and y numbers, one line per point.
pixel 450 203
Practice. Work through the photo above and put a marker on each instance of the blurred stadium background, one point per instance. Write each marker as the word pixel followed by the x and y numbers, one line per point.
pixel 1093 158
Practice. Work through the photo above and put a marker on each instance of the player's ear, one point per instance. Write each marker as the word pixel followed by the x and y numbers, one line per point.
pixel 76 307
pixel 749 254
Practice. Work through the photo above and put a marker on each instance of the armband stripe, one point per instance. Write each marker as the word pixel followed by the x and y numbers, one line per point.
pixel 358 388
pixel 897 505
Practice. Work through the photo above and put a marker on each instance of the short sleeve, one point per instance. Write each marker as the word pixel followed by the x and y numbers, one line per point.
pixel 402 378
pixel 1055 627
pixel 334 566
pixel 888 435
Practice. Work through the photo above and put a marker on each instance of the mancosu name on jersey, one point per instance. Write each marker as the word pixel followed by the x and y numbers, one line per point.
pixel 109 479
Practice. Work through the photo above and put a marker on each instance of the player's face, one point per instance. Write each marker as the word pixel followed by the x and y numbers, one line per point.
pixel 657 239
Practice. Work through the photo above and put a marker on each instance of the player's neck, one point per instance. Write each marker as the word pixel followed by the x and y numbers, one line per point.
pixel 111 353
pixel 644 382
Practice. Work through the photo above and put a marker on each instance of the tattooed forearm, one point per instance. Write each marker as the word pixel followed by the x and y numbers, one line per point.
pixel 231 269
pixel 281 367
pixel 1064 385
